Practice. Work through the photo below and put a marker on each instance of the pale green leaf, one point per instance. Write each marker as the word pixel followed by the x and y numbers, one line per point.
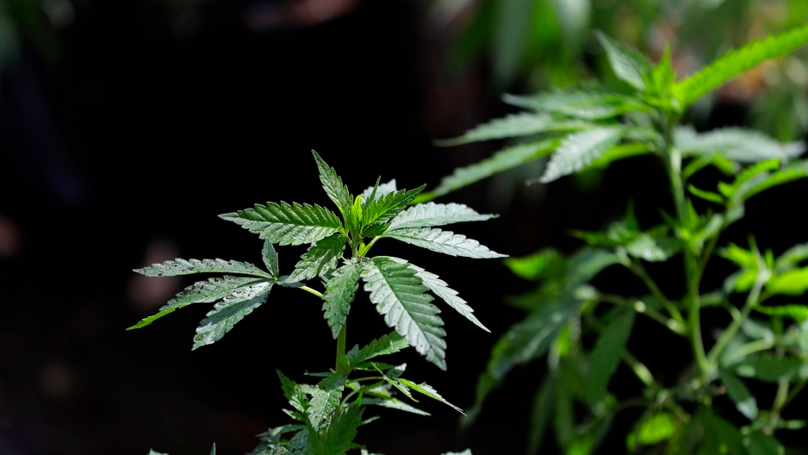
pixel 442 290
pixel 465 452
pixel 653 249
pixel 383 208
pixel 581 104
pixel 517 125
pixel 393 403
pixel 270 258
pixel 432 214
pixel 445 242
pixel 320 259
pixel 402 299
pixel 739 394
pixel 500 161
pixel 580 149
pixel 388 344
pixel 793 282
pixel 286 224
pixel 737 62
pixel 738 144
pixel 154 452
pixel 382 190
pixel 325 400
pixel 229 312
pixel 606 356
pixel 192 266
pixel 339 293
pixel 428 390
pixel 628 64
pixel 201 292
pixel 333 186
pixel 789 259
pixel 213 450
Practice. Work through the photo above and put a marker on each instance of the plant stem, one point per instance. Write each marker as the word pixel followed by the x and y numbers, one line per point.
pixel 311 291
pixel 639 270
pixel 751 301
pixel 641 371
pixel 342 362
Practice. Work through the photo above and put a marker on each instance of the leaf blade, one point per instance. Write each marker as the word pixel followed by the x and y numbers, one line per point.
pixel 332 184
pixel 578 150
pixel 320 259
pixel 287 224
pixel 179 267
pixel 229 312
pixel 445 242
pixel 339 294
pixel 432 214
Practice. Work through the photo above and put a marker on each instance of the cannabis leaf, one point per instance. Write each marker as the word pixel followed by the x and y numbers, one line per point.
pixel 388 344
pixel 381 190
pixel 516 125
pixel 339 294
pixel 432 214
pixel 192 266
pixel 628 64
pixel 581 104
pixel 402 298
pixel 383 208
pixel 737 62
pixel 230 311
pixel 320 259
pixel 286 224
pixel 445 242
pixel 606 355
pixel 580 149
pixel 333 186
pixel 737 144
pixel 325 400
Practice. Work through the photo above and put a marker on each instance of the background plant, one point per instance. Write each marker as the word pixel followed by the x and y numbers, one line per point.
pixel 584 330
pixel 329 412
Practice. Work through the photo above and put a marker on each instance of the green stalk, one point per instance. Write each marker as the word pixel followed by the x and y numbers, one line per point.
pixel 342 361
pixel 751 300
pixel 311 291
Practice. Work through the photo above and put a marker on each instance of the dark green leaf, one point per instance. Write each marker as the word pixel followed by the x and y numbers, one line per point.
pixel 758 443
pixel 773 369
pixel 339 294
pixel 320 259
pixel 333 186
pixel 740 395
pixel 606 356
pixel 388 344
pixel 325 400
pixel 340 434
pixel 286 224
pixel 388 206
pixel 402 299
pixel 543 404
pixel 228 312
pixel 293 392
pixel 270 258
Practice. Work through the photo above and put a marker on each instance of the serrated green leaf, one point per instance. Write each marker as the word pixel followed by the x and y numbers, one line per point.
pixel 293 392
pixel 765 181
pixel 737 62
pixel 738 144
pixel 432 214
pixel 339 436
pixel 500 161
pixel 401 297
pixel 393 403
pixel 739 394
pixel 442 290
pixel 742 257
pixel 653 249
pixel 445 242
pixel 286 224
pixel 201 292
pixel 628 64
pixel 426 389
pixel 339 293
pixel 796 312
pixel 580 104
pixel 620 152
pixel 333 186
pixel 580 149
pixel 388 344
pixel 793 282
pixel 388 206
pixel 325 400
pixel 270 258
pixel 229 312
pixel 517 125
pixel 191 266
pixel 320 259
pixel 606 356
pixel 706 195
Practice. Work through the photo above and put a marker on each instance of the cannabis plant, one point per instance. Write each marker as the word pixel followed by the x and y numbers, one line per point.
pixel 584 331
pixel 327 413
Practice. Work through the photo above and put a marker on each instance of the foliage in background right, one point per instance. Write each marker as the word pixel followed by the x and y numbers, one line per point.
pixel 583 331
